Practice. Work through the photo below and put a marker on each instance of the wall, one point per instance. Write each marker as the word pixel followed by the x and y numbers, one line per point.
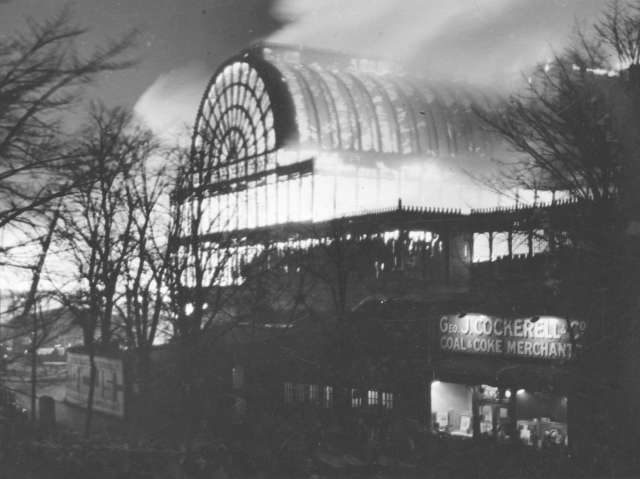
pixel 109 393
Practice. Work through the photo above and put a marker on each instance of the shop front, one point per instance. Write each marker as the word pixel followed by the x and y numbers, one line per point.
pixel 504 380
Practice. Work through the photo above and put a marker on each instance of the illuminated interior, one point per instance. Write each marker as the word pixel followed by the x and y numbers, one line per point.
pixel 351 141
pixel 502 244
pixel 506 415
pixel 452 409
pixel 541 419
pixel 281 137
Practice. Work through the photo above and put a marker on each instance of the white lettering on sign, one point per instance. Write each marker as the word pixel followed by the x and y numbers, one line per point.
pixel 547 337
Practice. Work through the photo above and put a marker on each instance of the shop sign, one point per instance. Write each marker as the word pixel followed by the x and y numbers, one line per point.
pixel 546 337
pixel 108 394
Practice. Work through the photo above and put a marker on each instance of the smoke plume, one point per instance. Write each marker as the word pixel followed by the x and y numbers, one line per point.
pixel 480 41
pixel 170 103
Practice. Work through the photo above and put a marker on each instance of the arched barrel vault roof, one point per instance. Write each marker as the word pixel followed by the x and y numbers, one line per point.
pixel 258 102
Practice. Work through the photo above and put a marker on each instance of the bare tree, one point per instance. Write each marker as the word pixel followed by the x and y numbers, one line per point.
pixel 29 303
pixel 572 121
pixel 216 282
pixel 577 125
pixel 39 329
pixel 41 78
pixel 99 223
pixel 143 304
pixel 197 289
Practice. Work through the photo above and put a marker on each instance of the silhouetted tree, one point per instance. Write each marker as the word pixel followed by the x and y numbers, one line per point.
pixel 42 75
pixel 100 223
pixel 41 78
pixel 576 129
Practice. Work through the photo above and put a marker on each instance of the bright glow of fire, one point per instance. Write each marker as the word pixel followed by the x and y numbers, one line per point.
pixel 364 141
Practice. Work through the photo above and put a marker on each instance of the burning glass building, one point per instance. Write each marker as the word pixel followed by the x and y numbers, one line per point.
pixel 297 136
pixel 297 151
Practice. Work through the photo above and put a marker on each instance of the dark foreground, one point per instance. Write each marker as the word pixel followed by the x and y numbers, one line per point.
pixel 71 457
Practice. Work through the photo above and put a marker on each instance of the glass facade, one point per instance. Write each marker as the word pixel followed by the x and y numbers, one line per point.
pixel 353 109
pixel 451 409
pixel 503 414
pixel 502 244
pixel 278 140
pixel 361 141
pixel 541 419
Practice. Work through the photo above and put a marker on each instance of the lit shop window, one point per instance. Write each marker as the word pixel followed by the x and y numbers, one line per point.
pixel 308 393
pixel 537 419
pixel 356 398
pixel 313 393
pixel 288 393
pixel 237 377
pixel 452 408
pixel 380 398
pixel 494 413
pixel 466 252
pixel 387 400
pixel 541 419
pixel 327 399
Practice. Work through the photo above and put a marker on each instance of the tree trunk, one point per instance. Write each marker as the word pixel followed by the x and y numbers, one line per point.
pixel 30 302
pixel 34 369
pixel 189 399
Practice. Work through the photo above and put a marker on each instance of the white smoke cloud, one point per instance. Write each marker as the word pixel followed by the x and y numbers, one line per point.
pixel 169 105
pixel 474 40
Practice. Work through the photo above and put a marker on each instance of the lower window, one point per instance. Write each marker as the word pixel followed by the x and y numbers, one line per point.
pixel 451 409
pixel 505 415
pixel 541 419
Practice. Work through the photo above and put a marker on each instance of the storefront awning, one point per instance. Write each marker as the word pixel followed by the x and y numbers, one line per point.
pixel 499 372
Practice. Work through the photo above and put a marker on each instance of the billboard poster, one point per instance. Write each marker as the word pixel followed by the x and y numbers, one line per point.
pixel 108 395
pixel 544 337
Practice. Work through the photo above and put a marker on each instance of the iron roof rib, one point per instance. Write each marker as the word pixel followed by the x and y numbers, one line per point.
pixel 330 101
pixel 359 84
pixel 384 92
pixel 352 106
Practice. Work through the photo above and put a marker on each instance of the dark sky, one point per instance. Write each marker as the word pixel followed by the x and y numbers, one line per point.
pixel 183 41
pixel 174 32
